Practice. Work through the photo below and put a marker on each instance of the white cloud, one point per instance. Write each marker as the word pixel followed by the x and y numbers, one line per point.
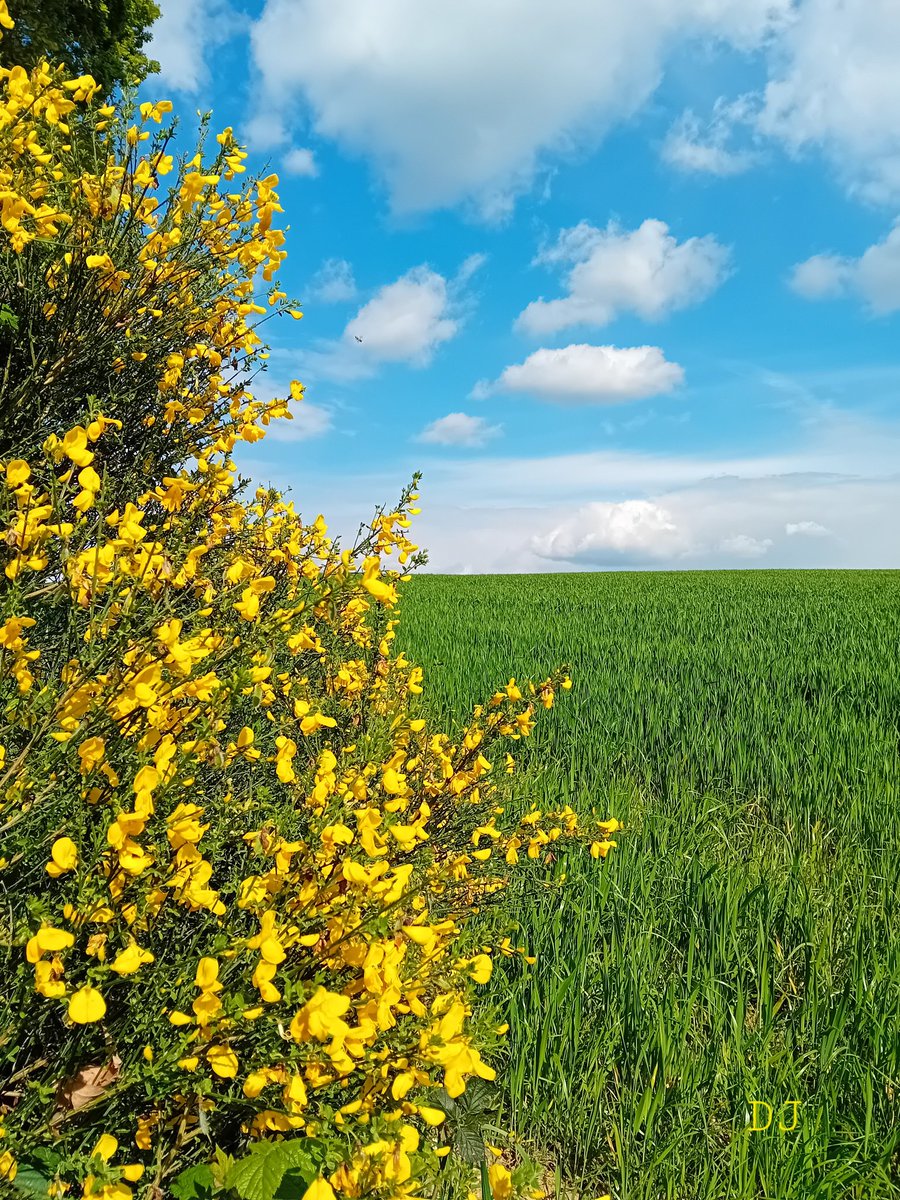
pixel 878 274
pixel 300 161
pixel 807 528
pixel 265 131
pixel 309 421
pixel 742 545
pixel 459 429
pixel 646 272
pixel 820 277
pixel 834 85
pixel 588 375
pixel 627 532
pixel 468 268
pixel 333 283
pixel 457 102
pixel 406 321
pixel 691 146
pixel 874 277
pixel 728 521
pixel 183 37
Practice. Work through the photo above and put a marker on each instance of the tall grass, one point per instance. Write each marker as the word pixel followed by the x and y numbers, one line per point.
pixel 744 940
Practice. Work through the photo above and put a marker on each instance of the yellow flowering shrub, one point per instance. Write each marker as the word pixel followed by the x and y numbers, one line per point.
pixel 236 868
pixel 129 278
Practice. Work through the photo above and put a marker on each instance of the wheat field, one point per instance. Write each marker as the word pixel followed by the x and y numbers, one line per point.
pixel 743 941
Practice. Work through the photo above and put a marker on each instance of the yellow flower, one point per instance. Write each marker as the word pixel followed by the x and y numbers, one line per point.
pixel 431 1116
pixel 601 849
pixel 207 976
pixel 319 1189
pixel 8 1166
pixel 223 1061
pixel 143 1138
pixel 75 446
pixel 89 479
pixel 105 1148
pixel 48 978
pixel 481 967
pixel 63 856
pixel 91 753
pixel 48 940
pixel 320 1017
pixel 17 472
pixel 99 262
pixel 86 1006
pixel 130 959
pixel 501 1181
pixel 393 783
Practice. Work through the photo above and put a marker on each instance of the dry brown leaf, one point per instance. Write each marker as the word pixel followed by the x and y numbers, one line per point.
pixel 85 1086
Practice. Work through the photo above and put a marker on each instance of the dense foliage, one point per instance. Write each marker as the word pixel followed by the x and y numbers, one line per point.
pixel 102 38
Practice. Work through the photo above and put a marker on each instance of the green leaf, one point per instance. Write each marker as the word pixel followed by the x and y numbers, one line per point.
pixel 194 1183
pixel 47 1158
pixel 259 1175
pixel 486 1193
pixel 293 1184
pixel 468 1143
pixel 479 1096
pixel 438 1098
pixel 30 1182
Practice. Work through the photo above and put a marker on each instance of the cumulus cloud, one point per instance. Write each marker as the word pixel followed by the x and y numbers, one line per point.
pixel 694 145
pixel 406 321
pixel 646 272
pixel 459 429
pixel 834 85
pixel 733 521
pixel 300 161
pixel 333 283
pixel 382 78
pixel 265 130
pixel 823 276
pixel 628 532
pixel 874 277
pixel 185 34
pixel 588 375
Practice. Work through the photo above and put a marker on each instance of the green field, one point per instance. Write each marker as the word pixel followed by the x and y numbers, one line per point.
pixel 743 941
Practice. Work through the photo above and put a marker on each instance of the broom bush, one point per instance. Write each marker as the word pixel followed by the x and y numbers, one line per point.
pixel 235 868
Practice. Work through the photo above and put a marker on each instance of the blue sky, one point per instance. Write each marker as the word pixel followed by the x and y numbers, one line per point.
pixel 626 277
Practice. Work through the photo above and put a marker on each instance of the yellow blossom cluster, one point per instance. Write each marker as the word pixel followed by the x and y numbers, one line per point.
pixel 166 264
pixel 252 789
